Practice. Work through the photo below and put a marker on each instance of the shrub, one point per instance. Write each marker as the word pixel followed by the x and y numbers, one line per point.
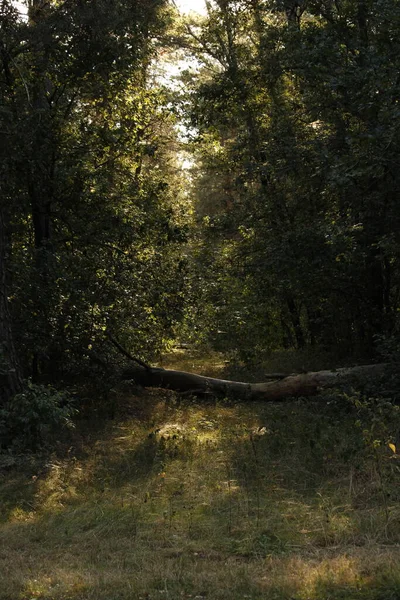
pixel 32 418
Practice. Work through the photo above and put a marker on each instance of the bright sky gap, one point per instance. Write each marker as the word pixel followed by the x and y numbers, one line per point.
pixel 187 6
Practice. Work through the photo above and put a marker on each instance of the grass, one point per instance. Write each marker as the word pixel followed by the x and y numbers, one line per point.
pixel 211 364
pixel 223 501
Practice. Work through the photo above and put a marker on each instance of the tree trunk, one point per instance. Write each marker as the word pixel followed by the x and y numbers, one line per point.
pixel 296 322
pixel 40 181
pixel 10 376
pixel 306 384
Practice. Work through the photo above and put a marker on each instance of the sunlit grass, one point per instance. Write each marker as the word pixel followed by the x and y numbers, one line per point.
pixel 178 499
pixel 211 364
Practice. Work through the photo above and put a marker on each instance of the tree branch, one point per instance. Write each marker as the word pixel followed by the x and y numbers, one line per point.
pixel 127 354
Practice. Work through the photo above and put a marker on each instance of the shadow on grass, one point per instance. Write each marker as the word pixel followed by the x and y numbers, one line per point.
pixel 221 501
pixel 95 447
pixel 98 564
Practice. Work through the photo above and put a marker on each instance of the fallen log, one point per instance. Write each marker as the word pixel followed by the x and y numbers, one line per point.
pixel 304 384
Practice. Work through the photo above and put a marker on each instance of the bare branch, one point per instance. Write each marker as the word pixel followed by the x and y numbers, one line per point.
pixel 127 354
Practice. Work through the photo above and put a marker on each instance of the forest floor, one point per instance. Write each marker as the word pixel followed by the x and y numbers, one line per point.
pixel 177 499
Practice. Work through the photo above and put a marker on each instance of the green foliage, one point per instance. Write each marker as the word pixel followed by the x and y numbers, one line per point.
pixel 288 237
pixel 294 116
pixel 97 218
pixel 389 347
pixel 379 420
pixel 34 417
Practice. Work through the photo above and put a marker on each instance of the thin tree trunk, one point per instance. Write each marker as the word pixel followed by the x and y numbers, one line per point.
pixel 41 181
pixel 295 318
pixel 10 374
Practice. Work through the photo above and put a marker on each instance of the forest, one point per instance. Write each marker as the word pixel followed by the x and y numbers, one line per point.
pixel 199 299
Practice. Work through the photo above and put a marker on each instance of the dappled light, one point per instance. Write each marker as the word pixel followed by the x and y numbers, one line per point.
pixel 355 574
pixel 189 499
pixel 199 300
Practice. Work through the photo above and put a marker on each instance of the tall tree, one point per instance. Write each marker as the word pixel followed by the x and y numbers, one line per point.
pixel 90 179
pixel 299 101
pixel 10 373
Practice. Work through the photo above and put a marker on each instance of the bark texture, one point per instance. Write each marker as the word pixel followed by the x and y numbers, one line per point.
pixel 305 384
pixel 10 377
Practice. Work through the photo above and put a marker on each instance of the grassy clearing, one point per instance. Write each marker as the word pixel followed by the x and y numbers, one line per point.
pixel 213 364
pixel 219 501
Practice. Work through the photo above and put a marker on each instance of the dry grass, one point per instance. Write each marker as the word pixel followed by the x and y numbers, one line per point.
pixel 213 364
pixel 215 501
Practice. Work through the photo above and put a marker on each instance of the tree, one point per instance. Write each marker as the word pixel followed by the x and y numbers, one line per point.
pixel 10 375
pixel 91 181
pixel 284 387
pixel 298 101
